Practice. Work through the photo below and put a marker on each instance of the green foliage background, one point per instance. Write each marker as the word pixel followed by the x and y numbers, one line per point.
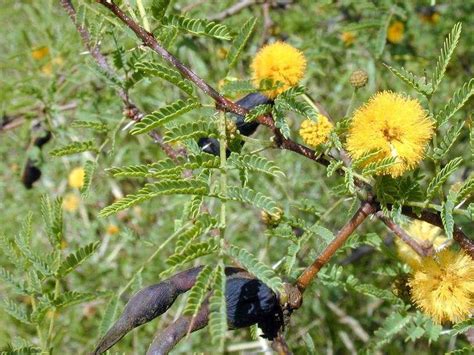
pixel 340 309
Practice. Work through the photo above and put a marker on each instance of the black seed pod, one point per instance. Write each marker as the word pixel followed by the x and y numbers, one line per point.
pixel 250 301
pixel 211 145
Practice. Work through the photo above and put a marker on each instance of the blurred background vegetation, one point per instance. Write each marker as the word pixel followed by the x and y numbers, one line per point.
pixel 47 77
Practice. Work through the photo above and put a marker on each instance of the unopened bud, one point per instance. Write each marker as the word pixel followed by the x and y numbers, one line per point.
pixel 358 78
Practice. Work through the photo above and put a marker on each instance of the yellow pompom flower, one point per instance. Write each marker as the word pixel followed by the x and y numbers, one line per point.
pixel 76 177
pixel 395 126
pixel 426 235
pixel 40 53
pixel 348 38
pixel 443 286
pixel 71 202
pixel 316 133
pixel 112 229
pixel 280 64
pixel 396 32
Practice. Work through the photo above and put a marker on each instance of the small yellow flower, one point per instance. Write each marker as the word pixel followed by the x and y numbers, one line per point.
pixel 280 64
pixel 316 133
pixel 396 32
pixel 348 38
pixel 76 177
pixel 71 202
pixel 40 53
pixel 112 229
pixel 222 53
pixel 443 286
pixel 425 234
pixel 396 126
pixel 47 69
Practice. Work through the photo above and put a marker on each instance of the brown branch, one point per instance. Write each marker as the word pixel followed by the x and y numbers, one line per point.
pixel 234 9
pixel 225 104
pixel 130 109
pixel 435 219
pixel 311 271
pixel 280 346
pixel 412 243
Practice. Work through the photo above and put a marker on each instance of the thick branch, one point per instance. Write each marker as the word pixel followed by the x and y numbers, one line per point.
pixel 311 271
pixel 412 243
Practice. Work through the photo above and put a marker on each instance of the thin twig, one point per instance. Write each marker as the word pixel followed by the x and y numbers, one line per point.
pixel 234 9
pixel 311 271
pixel 412 243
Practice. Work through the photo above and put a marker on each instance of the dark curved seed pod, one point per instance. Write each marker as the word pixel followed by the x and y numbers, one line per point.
pixel 31 174
pixel 249 301
pixel 42 140
pixel 211 145
pixel 147 304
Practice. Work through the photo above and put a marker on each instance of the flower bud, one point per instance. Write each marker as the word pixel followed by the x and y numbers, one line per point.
pixel 358 78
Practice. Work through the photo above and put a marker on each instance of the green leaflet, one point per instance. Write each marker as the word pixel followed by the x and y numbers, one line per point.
pixel 459 98
pixel 164 187
pixel 257 268
pixel 198 26
pixel 252 197
pixel 240 41
pixel 256 163
pixel 199 290
pixel 96 126
pixel 258 111
pixel 167 166
pixel 191 130
pixel 437 182
pixel 74 148
pixel 89 169
pixel 378 166
pixel 447 214
pixel 217 307
pixel 419 84
pixel 447 141
pixel 190 253
pixel 158 8
pixel 76 258
pixel 164 115
pixel 168 74
pixel 447 51
pixel 109 315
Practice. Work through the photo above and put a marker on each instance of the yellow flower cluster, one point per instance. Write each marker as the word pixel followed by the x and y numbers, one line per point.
pixel 316 133
pixel 280 65
pixel 395 126
pixel 112 229
pixel 396 32
pixel 441 285
pixel 71 202
pixel 76 177
pixel 40 53
pixel 348 38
